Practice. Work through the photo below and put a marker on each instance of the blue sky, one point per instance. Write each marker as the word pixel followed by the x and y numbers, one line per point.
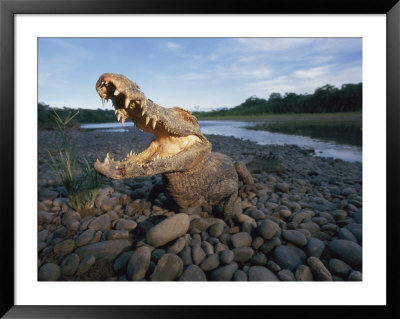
pixel 194 73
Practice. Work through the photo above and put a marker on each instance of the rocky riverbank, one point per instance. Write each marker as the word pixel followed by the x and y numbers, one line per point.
pixel 303 222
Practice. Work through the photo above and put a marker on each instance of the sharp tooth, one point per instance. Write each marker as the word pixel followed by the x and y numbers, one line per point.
pixel 102 100
pixel 144 111
pixel 106 160
pixel 119 116
pixel 123 121
pixel 115 112
pixel 116 92
pixel 147 120
pixel 97 161
pixel 130 152
pixel 154 124
pixel 127 101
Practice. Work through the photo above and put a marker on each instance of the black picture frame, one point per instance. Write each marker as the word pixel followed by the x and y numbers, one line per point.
pixel 8 10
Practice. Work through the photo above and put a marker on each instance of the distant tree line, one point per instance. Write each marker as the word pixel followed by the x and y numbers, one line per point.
pixel 46 116
pixel 325 99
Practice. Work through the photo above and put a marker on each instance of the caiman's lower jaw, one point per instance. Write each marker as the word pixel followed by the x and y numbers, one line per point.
pixel 164 154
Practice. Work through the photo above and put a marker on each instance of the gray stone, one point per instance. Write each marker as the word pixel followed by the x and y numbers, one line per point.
pixel 70 216
pixel 299 217
pixel 177 246
pixel 227 256
pixel 289 257
pixel 259 259
pixel 283 187
pixel 70 264
pixel 107 250
pixel 268 229
pixel 193 273
pixel 318 269
pixel 319 220
pixel 168 230
pixel 257 242
pixel 103 222
pixel 339 214
pixel 45 217
pixel 125 224
pixel 295 237
pixel 186 255
pixel 73 225
pixel 314 247
pixel 198 254
pixel 260 273
pixel 117 234
pixel 239 275
pixel 346 234
pixel 358 216
pixel 207 247
pixel 210 263
pixel 139 263
pixel 329 227
pixel 224 273
pixel 311 227
pixel 242 254
pixel 273 266
pixel 242 239
pixel 65 247
pixel 156 254
pixel 286 275
pixel 328 217
pixel 339 267
pixel 168 268
pixel 43 235
pixel 346 250
pixel 216 230
pixel 49 272
pixel 45 193
pixel 356 229
pixel 322 235
pixel 41 246
pixel 355 275
pixel 269 245
pixel 121 262
pixel 220 247
pixel 85 264
pixel 304 273
pixel 203 223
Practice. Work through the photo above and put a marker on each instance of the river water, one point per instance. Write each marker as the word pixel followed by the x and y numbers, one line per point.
pixel 238 129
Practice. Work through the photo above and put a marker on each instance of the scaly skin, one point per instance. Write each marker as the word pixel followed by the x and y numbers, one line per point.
pixel 193 174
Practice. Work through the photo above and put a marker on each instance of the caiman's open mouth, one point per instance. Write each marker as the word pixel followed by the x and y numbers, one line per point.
pixel 176 131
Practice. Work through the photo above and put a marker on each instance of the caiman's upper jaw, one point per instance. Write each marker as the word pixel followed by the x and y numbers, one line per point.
pixel 130 102
pixel 178 139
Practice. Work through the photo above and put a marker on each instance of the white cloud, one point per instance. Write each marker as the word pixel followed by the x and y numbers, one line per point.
pixel 306 81
pixel 313 72
pixel 173 45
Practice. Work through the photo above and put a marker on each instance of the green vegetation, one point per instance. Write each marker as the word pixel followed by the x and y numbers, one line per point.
pixel 347 132
pixel 326 99
pixel 81 189
pixel 46 120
